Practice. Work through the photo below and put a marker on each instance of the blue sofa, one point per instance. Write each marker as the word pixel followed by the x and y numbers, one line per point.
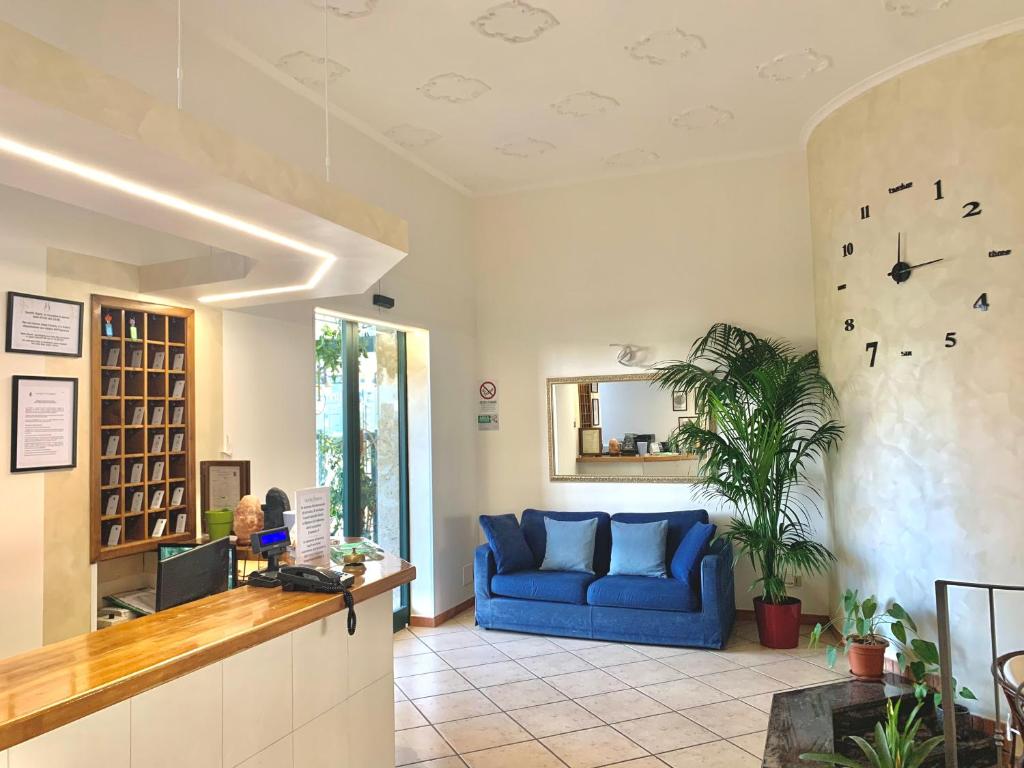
pixel 634 609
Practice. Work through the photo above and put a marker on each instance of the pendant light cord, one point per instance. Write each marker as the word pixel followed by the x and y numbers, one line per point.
pixel 327 115
pixel 180 73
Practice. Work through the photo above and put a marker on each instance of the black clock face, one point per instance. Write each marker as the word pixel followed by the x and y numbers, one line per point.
pixel 894 268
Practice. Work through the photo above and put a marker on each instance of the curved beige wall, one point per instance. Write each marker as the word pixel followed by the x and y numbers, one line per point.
pixel 928 483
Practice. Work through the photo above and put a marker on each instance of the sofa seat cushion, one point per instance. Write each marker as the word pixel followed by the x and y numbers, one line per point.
pixel 642 592
pixel 548 586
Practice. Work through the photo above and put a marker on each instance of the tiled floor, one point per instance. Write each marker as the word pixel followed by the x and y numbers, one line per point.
pixel 465 696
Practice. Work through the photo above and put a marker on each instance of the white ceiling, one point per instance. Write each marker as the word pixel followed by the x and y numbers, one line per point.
pixel 501 96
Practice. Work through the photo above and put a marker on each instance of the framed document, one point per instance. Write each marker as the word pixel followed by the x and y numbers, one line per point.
pixel 222 484
pixel 41 325
pixel 590 441
pixel 44 423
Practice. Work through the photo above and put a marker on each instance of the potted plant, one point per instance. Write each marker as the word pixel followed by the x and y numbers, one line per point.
pixel 894 747
pixel 920 659
pixel 763 419
pixel 862 631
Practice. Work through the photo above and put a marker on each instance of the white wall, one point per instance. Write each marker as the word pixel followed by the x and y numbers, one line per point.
pixel 651 260
pixel 636 406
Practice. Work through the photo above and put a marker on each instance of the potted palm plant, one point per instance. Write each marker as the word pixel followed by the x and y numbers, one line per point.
pixel 764 417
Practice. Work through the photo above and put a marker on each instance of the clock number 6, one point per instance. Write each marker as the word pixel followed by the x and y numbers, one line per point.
pixel 872 347
pixel 951 339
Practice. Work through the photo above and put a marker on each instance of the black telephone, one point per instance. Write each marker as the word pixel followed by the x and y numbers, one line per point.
pixel 302 578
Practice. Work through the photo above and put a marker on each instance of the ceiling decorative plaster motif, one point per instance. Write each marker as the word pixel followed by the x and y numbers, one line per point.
pixel 526 149
pixel 794 66
pixel 666 46
pixel 632 158
pixel 347 9
pixel 454 88
pixel 308 68
pixel 515 22
pixel 914 7
pixel 698 118
pixel 585 104
pixel 412 136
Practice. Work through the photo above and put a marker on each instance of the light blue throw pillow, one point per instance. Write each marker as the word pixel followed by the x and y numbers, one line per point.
pixel 638 549
pixel 570 545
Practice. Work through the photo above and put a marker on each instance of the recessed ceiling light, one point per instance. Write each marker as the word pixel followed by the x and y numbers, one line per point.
pixel 171 201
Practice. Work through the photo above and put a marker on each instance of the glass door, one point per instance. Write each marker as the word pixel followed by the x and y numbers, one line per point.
pixel 361 434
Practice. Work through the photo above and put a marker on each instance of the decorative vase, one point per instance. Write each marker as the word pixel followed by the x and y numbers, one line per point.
pixel 778 625
pixel 867 660
pixel 218 523
pixel 248 519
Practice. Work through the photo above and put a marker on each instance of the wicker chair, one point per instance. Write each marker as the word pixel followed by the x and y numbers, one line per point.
pixel 1009 673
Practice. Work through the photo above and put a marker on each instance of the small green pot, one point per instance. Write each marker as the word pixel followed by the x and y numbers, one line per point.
pixel 218 523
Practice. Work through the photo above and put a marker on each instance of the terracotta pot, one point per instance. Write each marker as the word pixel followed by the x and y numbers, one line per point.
pixel 867 660
pixel 778 626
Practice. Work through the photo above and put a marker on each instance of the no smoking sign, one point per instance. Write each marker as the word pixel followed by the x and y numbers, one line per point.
pixel 487 412
pixel 488 390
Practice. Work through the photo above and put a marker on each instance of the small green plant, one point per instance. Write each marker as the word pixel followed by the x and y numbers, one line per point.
pixel 894 747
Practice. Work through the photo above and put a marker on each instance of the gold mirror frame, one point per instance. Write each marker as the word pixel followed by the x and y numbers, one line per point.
pixel 553 475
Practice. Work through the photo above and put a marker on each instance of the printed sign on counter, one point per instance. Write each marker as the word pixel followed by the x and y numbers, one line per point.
pixel 313 526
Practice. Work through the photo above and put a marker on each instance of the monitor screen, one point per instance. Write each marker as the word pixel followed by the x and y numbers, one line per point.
pixel 193 574
pixel 268 539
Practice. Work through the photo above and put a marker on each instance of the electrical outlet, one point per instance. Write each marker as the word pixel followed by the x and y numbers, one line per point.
pixel 467 574
pixel 793 581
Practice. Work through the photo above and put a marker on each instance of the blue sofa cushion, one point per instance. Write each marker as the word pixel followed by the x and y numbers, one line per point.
pixel 678 524
pixel 548 586
pixel 638 550
pixel 570 545
pixel 532 523
pixel 642 592
pixel 686 562
pixel 511 552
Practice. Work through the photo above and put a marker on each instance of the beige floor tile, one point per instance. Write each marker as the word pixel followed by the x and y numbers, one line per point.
pixel 576 643
pixel 552 719
pixel 526 693
pixel 762 701
pixel 533 646
pixel 432 684
pixel 554 664
pixel 418 744
pixel 640 762
pixel 622 705
pixel 797 673
pixel 742 682
pixel 660 733
pixel 661 651
pixel 498 636
pixel 729 718
pixel 529 754
pixel 586 683
pixel 407 716
pixel 399 696
pixel 478 733
pixel 752 654
pixel 495 674
pixel 452 640
pixel 680 694
pixel 444 629
pixel 715 754
pixel 455 706
pixel 409 647
pixel 473 657
pixel 420 664
pixel 694 664
pixel 403 634
pixel 593 747
pixel 441 762
pixel 607 655
pixel 648 672
pixel 752 743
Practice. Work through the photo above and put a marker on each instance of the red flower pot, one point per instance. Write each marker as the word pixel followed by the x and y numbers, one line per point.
pixel 778 626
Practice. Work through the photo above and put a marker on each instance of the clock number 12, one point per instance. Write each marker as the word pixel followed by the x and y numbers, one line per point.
pixel 872 347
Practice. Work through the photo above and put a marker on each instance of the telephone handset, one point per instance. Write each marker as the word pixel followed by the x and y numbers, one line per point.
pixel 302 578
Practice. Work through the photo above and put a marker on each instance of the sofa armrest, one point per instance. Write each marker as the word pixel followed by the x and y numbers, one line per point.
pixel 484 568
pixel 718 590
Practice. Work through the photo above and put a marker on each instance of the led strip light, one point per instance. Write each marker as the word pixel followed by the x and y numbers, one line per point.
pixel 168 200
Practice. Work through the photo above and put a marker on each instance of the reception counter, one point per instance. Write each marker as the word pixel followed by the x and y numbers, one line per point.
pixel 251 677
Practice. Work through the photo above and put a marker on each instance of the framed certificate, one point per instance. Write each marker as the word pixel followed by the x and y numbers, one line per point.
pixel 41 325
pixel 222 484
pixel 44 423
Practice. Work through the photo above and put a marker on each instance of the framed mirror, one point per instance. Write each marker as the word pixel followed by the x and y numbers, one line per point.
pixel 616 429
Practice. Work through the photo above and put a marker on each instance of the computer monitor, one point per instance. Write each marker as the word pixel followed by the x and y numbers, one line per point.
pixel 193 574
pixel 165 551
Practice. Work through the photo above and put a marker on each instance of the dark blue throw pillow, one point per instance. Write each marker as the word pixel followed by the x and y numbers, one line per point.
pixel 508 544
pixel 693 547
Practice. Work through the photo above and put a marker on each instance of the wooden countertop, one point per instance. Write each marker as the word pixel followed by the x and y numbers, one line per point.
pixel 54 685
pixel 649 458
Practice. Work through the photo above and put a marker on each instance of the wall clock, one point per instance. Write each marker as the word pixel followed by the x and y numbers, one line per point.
pixel 886 258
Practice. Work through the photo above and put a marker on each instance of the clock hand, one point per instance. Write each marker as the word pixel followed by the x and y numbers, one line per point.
pixel 899 247
pixel 925 263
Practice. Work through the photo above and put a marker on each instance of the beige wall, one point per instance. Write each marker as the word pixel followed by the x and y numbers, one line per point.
pixel 651 260
pixel 927 482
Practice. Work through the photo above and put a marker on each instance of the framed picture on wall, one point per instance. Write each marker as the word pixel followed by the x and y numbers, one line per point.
pixel 593 387
pixel 590 441
pixel 684 419
pixel 44 423
pixel 222 484
pixel 595 411
pixel 42 325
pixel 680 400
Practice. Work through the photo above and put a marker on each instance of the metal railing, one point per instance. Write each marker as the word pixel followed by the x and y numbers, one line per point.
pixel 946 661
